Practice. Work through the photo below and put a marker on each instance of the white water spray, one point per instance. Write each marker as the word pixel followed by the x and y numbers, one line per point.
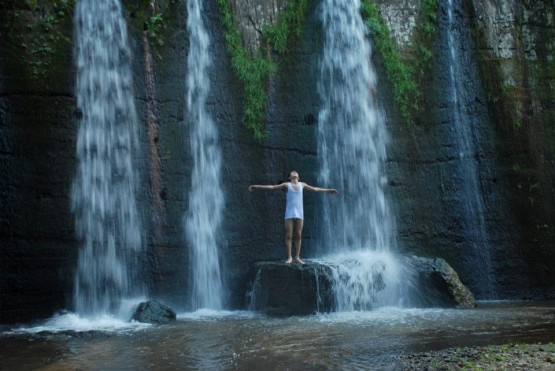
pixel 475 225
pixel 103 192
pixel 352 145
pixel 203 219
pixel 365 279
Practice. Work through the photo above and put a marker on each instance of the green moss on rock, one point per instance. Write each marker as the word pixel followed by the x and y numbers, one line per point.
pixel 254 71
pixel 37 39
pixel 405 71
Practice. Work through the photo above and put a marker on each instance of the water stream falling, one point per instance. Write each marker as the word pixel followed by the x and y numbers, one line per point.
pixel 358 225
pixel 103 192
pixel 203 219
pixel 465 137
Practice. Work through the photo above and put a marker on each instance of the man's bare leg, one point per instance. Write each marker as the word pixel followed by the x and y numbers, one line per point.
pixel 298 239
pixel 288 238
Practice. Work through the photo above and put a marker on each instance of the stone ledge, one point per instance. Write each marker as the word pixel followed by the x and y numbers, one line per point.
pixel 280 289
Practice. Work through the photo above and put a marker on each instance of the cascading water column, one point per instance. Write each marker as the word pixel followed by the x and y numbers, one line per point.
pixel 352 141
pixel 473 205
pixel 103 192
pixel 203 219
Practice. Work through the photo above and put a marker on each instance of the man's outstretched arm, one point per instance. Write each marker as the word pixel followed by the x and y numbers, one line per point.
pixel 318 189
pixel 254 187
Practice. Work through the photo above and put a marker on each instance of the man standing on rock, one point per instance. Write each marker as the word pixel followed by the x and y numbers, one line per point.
pixel 294 213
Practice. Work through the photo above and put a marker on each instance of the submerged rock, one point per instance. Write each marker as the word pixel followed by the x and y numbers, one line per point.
pixel 153 312
pixel 280 289
pixel 436 283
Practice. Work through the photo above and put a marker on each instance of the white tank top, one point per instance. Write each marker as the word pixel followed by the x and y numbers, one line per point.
pixel 294 202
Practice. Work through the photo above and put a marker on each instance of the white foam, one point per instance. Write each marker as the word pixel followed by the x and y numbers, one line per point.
pixel 365 279
pixel 352 141
pixel 74 322
pixel 393 315
pixel 211 314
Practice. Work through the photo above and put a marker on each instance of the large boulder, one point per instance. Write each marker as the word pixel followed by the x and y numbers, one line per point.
pixel 153 312
pixel 280 289
pixel 436 284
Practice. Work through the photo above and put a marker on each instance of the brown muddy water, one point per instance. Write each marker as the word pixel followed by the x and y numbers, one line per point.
pixel 246 341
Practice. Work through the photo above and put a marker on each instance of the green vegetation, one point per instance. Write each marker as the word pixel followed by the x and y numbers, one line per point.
pixel 38 32
pixel 60 6
pixel 428 29
pixel 533 188
pixel 151 18
pixel 493 357
pixel 254 71
pixel 399 72
pixel 153 27
pixel 496 356
pixel 404 72
pixel 291 21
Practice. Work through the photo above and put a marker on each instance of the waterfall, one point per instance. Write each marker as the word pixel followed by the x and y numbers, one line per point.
pixel 468 173
pixel 203 219
pixel 103 191
pixel 352 138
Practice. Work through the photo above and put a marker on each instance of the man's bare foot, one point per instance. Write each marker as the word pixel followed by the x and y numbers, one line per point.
pixel 289 261
pixel 298 260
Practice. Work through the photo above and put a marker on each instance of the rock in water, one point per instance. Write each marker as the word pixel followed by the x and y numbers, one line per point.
pixel 153 312
pixel 438 284
pixel 280 289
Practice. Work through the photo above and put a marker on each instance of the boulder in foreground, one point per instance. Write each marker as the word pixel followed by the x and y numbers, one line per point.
pixel 153 312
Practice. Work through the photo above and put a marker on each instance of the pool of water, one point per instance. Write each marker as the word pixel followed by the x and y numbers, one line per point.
pixel 244 340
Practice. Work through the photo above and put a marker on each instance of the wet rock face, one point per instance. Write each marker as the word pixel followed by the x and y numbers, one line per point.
pixel 510 159
pixel 498 21
pixel 401 17
pixel 251 16
pixel 37 162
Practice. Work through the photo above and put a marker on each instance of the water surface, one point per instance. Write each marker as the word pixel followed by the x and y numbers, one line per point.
pixel 243 340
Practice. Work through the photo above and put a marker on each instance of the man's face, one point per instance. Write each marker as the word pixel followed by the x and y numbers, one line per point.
pixel 293 175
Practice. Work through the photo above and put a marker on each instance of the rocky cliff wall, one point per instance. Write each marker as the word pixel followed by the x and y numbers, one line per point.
pixel 511 103
pixel 37 162
pixel 514 49
pixel 506 100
